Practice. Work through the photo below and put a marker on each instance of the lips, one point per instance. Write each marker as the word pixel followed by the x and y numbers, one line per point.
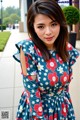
pixel 49 38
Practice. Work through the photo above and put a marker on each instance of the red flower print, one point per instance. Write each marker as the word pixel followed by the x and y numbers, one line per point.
pixel 69 46
pixel 26 60
pixel 53 78
pixel 18 118
pixel 38 93
pixel 35 118
pixel 70 77
pixel 51 64
pixel 30 77
pixel 37 51
pixel 46 116
pixel 27 101
pixel 64 110
pixel 59 59
pixel 51 117
pixel 60 89
pixel 55 116
pixel 38 108
pixel 64 78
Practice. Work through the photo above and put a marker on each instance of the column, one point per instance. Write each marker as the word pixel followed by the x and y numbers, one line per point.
pixel 76 27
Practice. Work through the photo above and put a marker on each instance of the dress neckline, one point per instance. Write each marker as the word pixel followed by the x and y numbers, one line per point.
pixel 51 51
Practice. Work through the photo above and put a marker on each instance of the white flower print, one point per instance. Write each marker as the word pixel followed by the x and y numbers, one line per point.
pixel 40 67
pixel 60 69
pixel 31 49
pixel 41 88
pixel 21 108
pixel 51 110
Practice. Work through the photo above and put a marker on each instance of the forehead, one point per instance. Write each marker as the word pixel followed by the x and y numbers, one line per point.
pixel 40 18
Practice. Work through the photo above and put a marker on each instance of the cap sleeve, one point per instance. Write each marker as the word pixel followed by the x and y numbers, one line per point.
pixel 28 49
pixel 74 54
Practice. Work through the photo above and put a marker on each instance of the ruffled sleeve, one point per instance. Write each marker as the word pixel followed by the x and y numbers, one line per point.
pixel 28 49
pixel 74 54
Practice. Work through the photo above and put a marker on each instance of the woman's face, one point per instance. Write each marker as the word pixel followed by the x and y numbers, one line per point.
pixel 46 29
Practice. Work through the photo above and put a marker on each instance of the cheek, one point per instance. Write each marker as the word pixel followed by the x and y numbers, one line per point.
pixel 58 30
pixel 39 33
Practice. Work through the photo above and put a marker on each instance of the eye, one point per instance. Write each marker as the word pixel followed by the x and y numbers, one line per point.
pixel 54 24
pixel 40 27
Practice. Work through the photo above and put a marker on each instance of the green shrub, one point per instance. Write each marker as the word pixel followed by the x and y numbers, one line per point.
pixel 71 14
pixel 3 27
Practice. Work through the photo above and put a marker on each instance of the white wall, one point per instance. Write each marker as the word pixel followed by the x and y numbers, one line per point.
pixel 23 12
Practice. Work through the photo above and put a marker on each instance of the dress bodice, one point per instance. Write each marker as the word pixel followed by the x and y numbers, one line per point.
pixel 47 97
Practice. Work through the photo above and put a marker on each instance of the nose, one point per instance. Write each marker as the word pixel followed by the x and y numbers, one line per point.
pixel 48 31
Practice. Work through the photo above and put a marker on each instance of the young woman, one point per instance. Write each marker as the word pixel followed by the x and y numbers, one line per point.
pixel 46 61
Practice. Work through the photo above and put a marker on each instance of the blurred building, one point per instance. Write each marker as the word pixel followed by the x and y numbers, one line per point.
pixel 24 6
pixel 76 27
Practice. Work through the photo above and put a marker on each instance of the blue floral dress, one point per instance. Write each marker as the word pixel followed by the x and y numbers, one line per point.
pixel 47 97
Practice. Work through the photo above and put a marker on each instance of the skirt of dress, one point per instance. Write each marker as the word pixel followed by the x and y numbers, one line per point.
pixel 55 107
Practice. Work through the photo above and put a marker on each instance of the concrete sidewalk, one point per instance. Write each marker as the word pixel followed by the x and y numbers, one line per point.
pixel 11 85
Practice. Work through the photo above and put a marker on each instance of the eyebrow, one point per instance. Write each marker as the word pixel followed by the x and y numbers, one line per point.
pixel 50 22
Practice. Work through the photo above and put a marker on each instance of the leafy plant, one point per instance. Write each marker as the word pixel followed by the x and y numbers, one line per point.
pixel 71 14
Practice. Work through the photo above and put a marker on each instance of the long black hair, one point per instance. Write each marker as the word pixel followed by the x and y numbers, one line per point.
pixel 51 9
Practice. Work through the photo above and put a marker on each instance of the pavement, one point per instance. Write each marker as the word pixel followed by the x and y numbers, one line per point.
pixel 11 85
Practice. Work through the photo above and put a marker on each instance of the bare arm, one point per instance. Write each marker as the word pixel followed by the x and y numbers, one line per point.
pixel 23 64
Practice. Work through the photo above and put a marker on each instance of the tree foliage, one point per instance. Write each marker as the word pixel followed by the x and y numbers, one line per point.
pixel 11 15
